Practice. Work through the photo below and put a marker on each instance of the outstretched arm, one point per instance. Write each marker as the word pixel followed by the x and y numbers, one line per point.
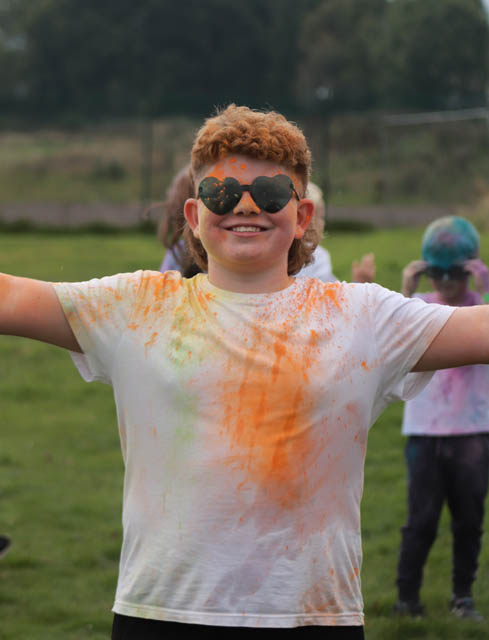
pixel 463 340
pixel 30 308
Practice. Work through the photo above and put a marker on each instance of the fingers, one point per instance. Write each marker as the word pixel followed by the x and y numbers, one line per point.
pixel 475 266
pixel 416 267
pixel 411 275
pixel 480 272
pixel 364 271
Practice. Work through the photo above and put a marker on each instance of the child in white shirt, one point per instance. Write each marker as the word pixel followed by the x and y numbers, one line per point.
pixel 244 398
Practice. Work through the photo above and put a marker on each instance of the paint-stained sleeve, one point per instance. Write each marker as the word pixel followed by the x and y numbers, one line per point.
pixel 403 329
pixel 99 311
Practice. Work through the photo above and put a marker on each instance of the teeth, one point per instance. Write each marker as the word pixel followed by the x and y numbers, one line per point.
pixel 242 228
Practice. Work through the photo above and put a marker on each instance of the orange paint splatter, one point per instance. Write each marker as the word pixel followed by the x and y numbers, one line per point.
pixel 320 598
pixel 354 574
pixel 331 292
pixel 150 343
pixel 266 417
pixel 164 286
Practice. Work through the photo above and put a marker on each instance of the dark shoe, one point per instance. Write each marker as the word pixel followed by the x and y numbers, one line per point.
pixel 4 545
pixel 464 608
pixel 412 608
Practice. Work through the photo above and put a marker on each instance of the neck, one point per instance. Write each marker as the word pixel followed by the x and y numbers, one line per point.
pixel 249 281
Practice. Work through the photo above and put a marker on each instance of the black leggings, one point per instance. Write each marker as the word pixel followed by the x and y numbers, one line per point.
pixel 454 469
pixel 129 628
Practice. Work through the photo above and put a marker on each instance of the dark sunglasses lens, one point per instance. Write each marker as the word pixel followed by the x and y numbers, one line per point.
pixel 454 273
pixel 457 273
pixel 220 197
pixel 271 194
pixel 434 272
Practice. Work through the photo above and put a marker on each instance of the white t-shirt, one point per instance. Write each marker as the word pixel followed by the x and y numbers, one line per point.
pixel 455 402
pixel 243 421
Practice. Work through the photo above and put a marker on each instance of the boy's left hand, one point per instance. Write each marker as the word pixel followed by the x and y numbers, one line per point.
pixel 480 272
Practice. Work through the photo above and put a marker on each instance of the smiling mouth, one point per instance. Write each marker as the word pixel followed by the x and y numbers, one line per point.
pixel 247 229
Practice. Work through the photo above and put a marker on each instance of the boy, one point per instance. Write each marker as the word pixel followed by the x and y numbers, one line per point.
pixel 244 398
pixel 447 425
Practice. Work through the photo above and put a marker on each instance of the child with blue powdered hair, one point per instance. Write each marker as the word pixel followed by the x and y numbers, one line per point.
pixel 447 425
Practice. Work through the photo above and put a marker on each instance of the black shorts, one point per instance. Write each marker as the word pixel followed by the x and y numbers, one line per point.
pixel 129 628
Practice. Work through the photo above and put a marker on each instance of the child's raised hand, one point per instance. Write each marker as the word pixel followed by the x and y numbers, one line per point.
pixel 363 271
pixel 480 272
pixel 411 275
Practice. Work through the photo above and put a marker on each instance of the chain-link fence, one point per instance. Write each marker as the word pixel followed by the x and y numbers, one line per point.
pixel 383 169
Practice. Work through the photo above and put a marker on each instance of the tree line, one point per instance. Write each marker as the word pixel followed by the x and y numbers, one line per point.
pixel 119 58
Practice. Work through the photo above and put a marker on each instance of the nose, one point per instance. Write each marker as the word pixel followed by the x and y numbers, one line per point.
pixel 246 206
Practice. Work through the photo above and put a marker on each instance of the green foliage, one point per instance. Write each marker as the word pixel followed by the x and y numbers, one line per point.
pixel 79 60
pixel 438 54
pixel 336 44
pixel 61 470
pixel 158 56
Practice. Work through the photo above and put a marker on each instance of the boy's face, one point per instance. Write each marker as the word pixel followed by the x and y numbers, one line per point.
pixel 247 241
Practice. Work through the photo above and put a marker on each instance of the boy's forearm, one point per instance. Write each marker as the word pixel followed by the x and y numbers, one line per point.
pixel 464 340
pixel 30 308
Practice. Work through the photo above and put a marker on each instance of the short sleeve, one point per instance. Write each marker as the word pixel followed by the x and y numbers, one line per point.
pixel 403 328
pixel 99 311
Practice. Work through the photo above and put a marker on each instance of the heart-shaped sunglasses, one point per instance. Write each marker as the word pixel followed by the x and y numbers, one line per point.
pixel 270 194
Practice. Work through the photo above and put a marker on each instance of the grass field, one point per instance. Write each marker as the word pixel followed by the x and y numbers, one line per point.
pixel 61 469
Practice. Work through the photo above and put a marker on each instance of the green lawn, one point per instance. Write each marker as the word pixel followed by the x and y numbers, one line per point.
pixel 61 469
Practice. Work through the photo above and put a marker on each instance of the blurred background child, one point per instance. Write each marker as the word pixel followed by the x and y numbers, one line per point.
pixel 177 258
pixel 447 425
pixel 172 222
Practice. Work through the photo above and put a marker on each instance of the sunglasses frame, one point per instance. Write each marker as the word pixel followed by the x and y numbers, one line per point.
pixel 226 186
pixel 456 272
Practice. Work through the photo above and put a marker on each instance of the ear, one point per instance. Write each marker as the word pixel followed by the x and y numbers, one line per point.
pixel 305 212
pixel 191 213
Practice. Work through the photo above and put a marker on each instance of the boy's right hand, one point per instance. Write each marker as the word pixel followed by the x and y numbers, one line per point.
pixel 411 275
